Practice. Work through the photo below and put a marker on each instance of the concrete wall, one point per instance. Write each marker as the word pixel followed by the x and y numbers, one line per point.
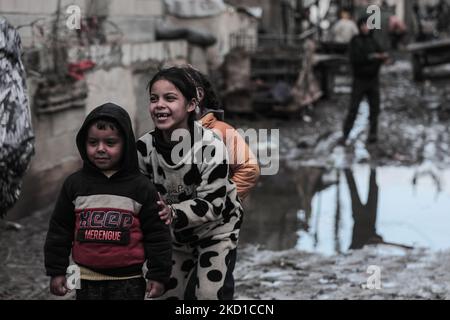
pixel 121 76
pixel 122 71
pixel 56 155
pixel 271 18
pixel 135 18
pixel 221 26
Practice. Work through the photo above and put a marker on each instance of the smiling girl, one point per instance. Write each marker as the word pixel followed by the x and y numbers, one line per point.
pixel 205 213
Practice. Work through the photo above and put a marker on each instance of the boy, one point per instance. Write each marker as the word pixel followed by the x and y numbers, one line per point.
pixel 107 215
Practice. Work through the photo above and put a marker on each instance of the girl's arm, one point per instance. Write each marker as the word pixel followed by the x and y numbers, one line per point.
pixel 210 203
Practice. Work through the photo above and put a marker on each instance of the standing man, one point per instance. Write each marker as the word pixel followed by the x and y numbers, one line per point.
pixel 97 12
pixel 366 58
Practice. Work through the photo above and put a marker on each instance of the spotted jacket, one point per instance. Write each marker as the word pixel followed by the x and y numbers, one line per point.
pixel 199 190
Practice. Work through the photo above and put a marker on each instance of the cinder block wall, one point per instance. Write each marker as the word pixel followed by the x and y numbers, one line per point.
pixel 136 18
pixel 120 76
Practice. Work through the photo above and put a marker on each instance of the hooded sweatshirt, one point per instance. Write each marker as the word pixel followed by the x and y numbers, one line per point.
pixel 111 225
pixel 244 168
pixel 361 48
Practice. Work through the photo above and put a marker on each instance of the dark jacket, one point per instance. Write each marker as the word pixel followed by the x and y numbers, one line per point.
pixel 361 47
pixel 111 224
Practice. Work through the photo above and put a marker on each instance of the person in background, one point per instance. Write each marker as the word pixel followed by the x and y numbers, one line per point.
pixel 366 58
pixel 344 29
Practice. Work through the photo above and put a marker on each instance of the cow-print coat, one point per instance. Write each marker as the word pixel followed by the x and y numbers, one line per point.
pixel 208 213
pixel 205 199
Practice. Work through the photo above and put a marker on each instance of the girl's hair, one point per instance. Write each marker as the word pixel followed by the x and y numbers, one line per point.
pixel 210 99
pixel 182 81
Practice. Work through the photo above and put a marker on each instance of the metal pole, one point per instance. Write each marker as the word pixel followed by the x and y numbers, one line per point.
pixel 55 45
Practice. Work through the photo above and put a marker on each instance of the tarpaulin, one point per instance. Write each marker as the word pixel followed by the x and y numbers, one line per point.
pixel 16 133
pixel 194 8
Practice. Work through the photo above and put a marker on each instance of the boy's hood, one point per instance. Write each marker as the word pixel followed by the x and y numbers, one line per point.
pixel 111 111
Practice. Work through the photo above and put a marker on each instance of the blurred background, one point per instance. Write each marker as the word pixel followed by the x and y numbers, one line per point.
pixel 275 65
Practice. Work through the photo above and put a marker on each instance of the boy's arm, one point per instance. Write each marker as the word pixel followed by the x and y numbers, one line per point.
pixel 157 239
pixel 58 243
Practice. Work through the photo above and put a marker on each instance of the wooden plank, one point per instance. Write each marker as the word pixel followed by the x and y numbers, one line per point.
pixel 423 46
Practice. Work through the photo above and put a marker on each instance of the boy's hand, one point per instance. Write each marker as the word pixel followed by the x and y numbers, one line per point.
pixel 58 285
pixel 154 289
pixel 165 214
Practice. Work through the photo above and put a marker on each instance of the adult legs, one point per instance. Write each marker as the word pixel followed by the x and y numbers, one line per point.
pixel 373 95
pixel 358 91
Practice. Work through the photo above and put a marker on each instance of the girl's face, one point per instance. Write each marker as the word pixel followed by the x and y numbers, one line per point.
pixel 169 108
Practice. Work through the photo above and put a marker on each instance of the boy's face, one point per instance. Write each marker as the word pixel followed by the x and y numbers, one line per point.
pixel 104 147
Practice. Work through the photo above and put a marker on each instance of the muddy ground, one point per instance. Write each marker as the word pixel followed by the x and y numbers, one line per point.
pixel 413 131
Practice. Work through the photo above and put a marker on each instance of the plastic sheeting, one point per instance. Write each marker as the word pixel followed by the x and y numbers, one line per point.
pixel 16 134
pixel 193 36
pixel 194 8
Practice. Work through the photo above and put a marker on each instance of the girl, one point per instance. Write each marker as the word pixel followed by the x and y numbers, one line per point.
pixel 205 211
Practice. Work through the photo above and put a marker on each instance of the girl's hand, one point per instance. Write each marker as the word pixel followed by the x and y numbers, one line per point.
pixel 165 213
pixel 154 289
pixel 58 286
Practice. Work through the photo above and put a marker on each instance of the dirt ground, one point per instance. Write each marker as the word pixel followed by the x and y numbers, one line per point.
pixel 260 274
pixel 295 275
pixel 413 130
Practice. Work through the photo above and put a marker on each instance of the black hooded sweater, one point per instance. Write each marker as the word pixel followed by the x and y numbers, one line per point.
pixel 111 225
pixel 361 48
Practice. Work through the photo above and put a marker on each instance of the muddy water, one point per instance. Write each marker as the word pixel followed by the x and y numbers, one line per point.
pixel 334 210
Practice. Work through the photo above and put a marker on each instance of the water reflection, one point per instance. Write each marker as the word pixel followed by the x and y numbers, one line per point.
pixel 364 215
pixel 271 213
pixel 332 211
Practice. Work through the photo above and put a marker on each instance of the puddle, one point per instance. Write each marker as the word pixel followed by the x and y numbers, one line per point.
pixel 332 210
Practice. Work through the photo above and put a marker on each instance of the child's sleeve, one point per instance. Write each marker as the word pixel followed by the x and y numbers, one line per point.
pixel 58 243
pixel 210 203
pixel 244 165
pixel 144 166
pixel 157 239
